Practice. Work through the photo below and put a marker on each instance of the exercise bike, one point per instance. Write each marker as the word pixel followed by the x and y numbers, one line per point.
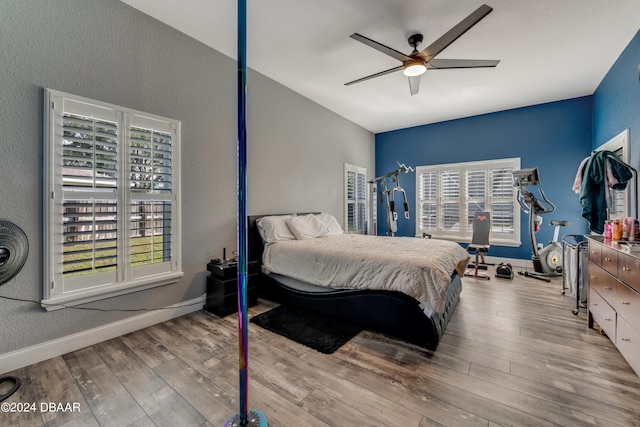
pixel 547 260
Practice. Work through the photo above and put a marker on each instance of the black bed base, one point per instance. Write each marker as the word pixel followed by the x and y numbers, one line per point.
pixel 391 313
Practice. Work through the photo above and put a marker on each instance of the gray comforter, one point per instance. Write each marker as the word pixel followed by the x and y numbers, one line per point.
pixel 420 268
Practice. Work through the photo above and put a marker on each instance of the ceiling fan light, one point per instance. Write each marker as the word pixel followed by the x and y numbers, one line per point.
pixel 414 68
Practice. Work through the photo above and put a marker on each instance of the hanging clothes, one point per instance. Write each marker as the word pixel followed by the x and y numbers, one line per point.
pixel 577 183
pixel 593 191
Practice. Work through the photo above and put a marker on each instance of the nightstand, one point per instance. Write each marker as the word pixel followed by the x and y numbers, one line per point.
pixel 222 287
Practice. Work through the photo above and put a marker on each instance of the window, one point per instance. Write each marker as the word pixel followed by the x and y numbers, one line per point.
pixel 355 203
pixel 448 196
pixel 619 144
pixel 112 212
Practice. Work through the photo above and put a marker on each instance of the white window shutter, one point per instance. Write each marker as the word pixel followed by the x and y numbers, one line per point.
pixel 449 195
pixel 503 204
pixel 450 201
pixel 355 179
pixel 428 201
pixel 476 195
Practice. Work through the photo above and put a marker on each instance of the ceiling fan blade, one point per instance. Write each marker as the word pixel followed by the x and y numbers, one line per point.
pixel 414 84
pixel 443 64
pixel 381 73
pixel 450 36
pixel 380 47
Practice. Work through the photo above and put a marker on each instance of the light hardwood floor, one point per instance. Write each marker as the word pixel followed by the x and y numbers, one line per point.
pixel 513 354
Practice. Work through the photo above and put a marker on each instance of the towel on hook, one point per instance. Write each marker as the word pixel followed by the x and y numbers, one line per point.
pixel 593 191
pixel 577 183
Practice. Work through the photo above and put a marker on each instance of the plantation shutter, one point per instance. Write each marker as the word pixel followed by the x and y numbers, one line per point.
pixel 355 199
pixel 89 184
pixel 450 195
pixel 450 200
pixel 502 201
pixel 361 202
pixel 428 201
pixel 476 189
pixel 351 205
pixel 150 175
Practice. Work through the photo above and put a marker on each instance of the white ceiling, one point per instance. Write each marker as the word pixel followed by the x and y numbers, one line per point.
pixel 549 50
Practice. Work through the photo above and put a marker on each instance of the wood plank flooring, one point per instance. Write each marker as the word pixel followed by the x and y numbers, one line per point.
pixel 513 355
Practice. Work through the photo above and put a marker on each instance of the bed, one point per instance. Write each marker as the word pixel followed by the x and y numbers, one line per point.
pixel 359 278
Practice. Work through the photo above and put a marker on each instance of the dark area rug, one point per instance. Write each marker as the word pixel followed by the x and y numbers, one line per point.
pixel 322 333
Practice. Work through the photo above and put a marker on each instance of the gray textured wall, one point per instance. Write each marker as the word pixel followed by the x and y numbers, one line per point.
pixel 106 50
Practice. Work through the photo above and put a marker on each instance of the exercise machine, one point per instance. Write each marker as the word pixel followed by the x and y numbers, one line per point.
pixel 547 260
pixel 388 192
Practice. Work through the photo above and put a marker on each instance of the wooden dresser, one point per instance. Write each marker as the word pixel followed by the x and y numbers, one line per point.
pixel 614 296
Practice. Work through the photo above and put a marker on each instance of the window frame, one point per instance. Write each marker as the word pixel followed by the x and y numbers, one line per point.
pixel 460 200
pixel 59 291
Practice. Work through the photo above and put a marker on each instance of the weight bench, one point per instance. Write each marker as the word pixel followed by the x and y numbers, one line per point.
pixel 479 245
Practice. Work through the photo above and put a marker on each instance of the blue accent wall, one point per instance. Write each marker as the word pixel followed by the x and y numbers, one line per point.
pixel 554 137
pixel 616 102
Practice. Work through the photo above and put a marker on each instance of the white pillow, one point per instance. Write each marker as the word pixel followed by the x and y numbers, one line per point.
pixel 306 227
pixel 332 224
pixel 274 228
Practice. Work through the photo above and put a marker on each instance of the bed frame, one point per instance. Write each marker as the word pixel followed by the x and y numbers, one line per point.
pixel 389 312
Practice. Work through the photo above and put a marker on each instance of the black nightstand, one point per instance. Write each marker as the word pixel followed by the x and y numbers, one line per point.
pixel 222 287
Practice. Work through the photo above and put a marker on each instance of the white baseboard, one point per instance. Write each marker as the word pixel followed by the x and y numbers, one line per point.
pixel 57 347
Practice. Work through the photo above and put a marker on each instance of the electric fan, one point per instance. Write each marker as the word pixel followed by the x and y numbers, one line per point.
pixel 14 248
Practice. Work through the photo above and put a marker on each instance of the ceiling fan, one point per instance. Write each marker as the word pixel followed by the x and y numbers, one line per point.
pixel 416 63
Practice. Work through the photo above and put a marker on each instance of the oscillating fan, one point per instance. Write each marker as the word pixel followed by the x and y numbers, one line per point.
pixel 14 248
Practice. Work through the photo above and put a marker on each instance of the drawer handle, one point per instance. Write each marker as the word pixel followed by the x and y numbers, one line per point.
pixel 608 319
pixel 608 288
pixel 626 269
pixel 593 277
pixel 625 339
pixel 625 302
pixel 607 259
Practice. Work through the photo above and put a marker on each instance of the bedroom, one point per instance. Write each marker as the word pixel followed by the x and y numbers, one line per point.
pixel 294 134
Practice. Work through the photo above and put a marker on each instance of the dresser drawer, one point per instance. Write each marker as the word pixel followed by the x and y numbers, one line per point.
pixel 610 260
pixel 595 253
pixel 628 342
pixel 629 270
pixel 627 304
pixel 603 314
pixel 602 282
